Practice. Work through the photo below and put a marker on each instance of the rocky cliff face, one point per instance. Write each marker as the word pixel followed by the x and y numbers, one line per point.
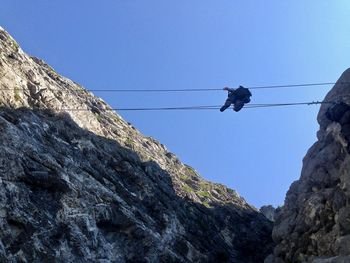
pixel 269 212
pixel 79 184
pixel 314 224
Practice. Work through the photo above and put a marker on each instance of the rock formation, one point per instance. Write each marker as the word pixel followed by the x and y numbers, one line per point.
pixel 80 184
pixel 269 212
pixel 314 223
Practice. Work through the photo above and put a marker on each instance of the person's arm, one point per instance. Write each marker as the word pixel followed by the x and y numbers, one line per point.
pixel 229 89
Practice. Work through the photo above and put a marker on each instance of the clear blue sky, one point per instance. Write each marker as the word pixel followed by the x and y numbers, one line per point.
pixel 160 44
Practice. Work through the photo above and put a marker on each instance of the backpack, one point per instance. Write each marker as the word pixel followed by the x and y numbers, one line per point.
pixel 242 92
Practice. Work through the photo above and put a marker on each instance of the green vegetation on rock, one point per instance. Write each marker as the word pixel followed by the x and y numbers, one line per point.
pixel 204 194
pixel 184 177
pixel 17 96
pixel 129 142
pixel 206 204
pixel 187 189
pixel 14 44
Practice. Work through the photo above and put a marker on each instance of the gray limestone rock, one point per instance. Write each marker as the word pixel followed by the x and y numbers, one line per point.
pixel 314 223
pixel 268 211
pixel 80 184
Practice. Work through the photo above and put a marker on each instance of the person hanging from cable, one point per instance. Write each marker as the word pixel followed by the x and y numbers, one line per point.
pixel 238 97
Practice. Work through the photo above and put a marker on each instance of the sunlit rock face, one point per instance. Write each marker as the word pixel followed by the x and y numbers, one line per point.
pixel 314 224
pixel 80 184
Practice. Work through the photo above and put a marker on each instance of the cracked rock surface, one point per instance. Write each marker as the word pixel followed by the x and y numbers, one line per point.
pixel 314 223
pixel 86 186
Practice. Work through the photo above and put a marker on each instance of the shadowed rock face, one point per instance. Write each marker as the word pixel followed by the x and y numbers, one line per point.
pixel 86 186
pixel 314 224
pixel 269 212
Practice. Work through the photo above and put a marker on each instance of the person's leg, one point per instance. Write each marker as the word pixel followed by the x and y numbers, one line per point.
pixel 238 105
pixel 227 104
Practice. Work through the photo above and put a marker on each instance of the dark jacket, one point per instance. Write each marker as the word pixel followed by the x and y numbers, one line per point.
pixel 239 94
